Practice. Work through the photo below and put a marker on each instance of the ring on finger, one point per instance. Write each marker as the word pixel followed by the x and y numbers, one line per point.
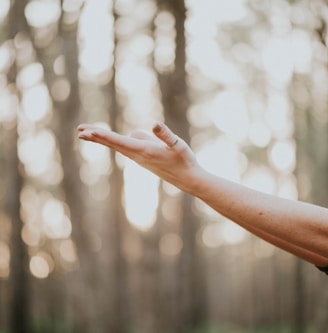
pixel 174 143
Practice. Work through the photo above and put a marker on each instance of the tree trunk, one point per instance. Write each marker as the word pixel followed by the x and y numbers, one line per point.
pixel 66 117
pixel 117 313
pixel 19 275
pixel 85 284
pixel 154 313
pixel 311 164
pixel 175 99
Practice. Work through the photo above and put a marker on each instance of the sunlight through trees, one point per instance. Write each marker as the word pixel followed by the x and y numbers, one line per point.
pixel 97 244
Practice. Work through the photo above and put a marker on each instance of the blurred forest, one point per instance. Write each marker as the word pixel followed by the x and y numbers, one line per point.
pixel 92 243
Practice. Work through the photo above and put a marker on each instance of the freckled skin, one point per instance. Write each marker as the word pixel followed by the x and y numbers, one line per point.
pixel 297 227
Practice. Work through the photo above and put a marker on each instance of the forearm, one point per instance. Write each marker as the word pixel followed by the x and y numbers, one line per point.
pixel 298 251
pixel 297 227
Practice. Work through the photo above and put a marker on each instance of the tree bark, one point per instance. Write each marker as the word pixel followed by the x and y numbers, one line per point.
pixel 117 313
pixel 19 275
pixel 175 99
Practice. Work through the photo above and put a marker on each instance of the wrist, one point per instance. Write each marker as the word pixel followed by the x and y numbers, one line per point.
pixel 193 181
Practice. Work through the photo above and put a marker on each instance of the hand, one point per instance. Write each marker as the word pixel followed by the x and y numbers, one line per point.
pixel 164 154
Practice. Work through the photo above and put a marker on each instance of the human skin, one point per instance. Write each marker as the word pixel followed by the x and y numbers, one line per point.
pixel 297 227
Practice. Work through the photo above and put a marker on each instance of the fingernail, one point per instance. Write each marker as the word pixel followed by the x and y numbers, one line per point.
pixel 157 127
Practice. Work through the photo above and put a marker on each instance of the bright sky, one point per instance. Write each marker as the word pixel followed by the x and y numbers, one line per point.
pixel 239 115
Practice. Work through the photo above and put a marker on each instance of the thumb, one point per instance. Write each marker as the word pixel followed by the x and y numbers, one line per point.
pixel 165 134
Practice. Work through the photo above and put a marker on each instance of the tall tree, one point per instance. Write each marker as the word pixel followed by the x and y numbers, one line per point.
pixel 19 275
pixel 175 100
pixel 116 313
pixel 66 117
pixel 311 132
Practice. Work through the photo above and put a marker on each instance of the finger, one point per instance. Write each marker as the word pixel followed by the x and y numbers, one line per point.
pixel 123 144
pixel 142 135
pixel 165 134
pixel 83 127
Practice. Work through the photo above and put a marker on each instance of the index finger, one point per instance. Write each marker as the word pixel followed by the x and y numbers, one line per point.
pixel 121 143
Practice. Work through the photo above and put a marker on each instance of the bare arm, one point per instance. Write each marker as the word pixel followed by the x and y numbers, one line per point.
pixel 297 227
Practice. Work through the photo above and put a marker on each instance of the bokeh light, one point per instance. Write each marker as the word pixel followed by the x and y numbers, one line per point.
pixel 140 209
pixel 56 224
pixel 221 11
pixel 164 53
pixel 259 134
pixel 6 56
pixel 223 232
pixel 4 260
pixel 232 233
pixel 221 158
pixel 282 156
pixel 97 43
pixel 229 113
pixel 170 245
pixel 30 75
pixel 260 178
pixel 36 151
pixel 60 90
pixel 36 102
pixel 68 251
pixel 40 14
pixel 4 9
pixel 277 60
pixel 31 234
pixel 212 236
pixel 41 265
pixel 8 106
pixel 92 152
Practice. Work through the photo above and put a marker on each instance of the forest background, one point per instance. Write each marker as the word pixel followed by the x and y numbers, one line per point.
pixel 92 243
